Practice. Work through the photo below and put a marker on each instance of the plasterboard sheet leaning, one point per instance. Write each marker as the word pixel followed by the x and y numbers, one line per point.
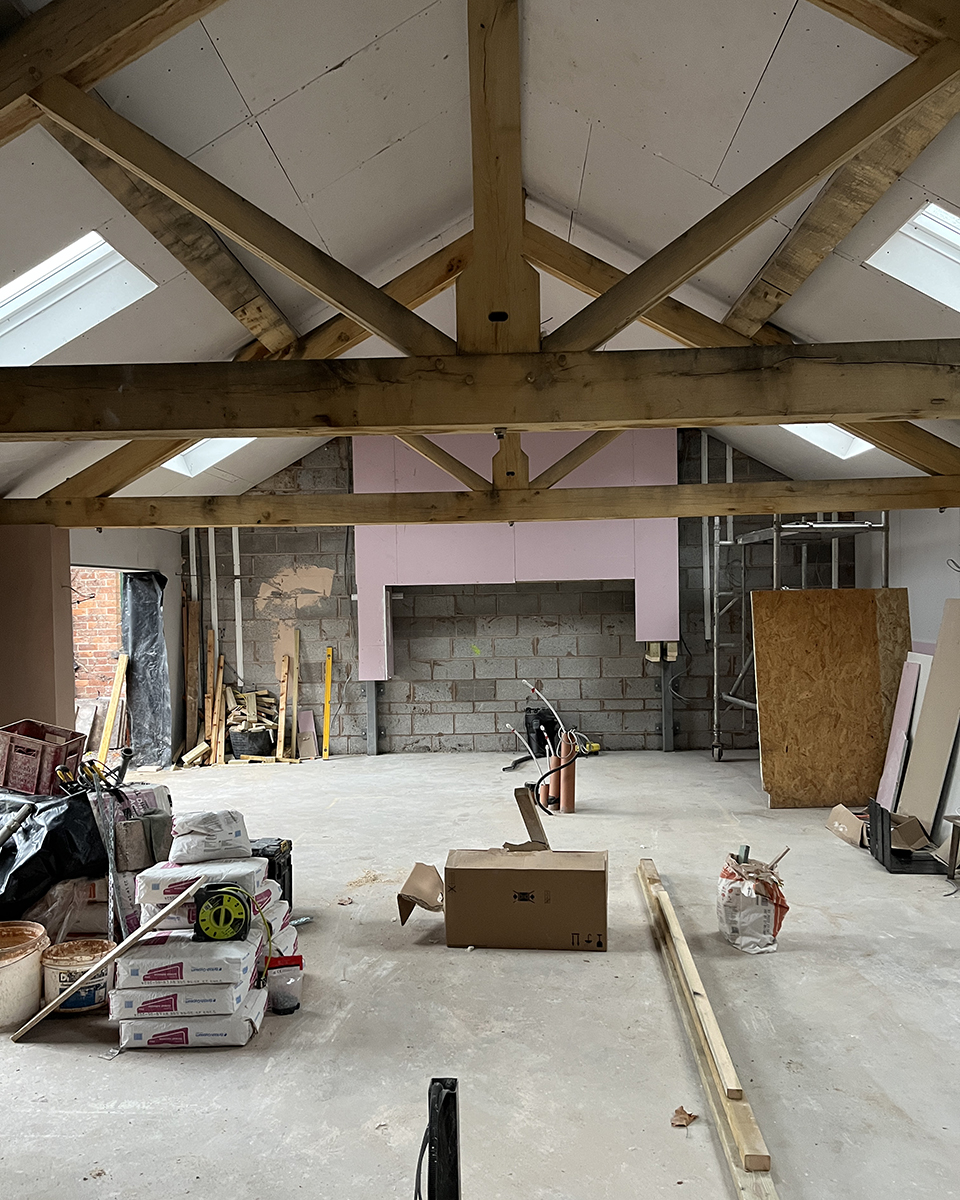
pixel 930 756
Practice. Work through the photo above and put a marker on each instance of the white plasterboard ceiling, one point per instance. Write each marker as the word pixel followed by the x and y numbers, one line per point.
pixel 349 123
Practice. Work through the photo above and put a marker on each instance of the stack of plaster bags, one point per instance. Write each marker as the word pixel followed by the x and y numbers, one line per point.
pixel 174 990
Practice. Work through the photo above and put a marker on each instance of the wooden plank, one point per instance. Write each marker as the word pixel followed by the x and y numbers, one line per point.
pixel 828 667
pixel 465 508
pixel 737 1113
pixel 693 984
pixel 592 275
pixel 748 1185
pixel 933 746
pixel 731 221
pixel 217 711
pixel 445 461
pixel 498 294
pixel 234 217
pixel 575 458
pixel 85 40
pixel 294 694
pixel 910 443
pixel 118 680
pixel 282 714
pixel 511 466
pixel 327 688
pixel 622 389
pixel 196 754
pixel 191 242
pixel 120 468
pixel 847 197
pixel 913 26
pixel 117 952
pixel 192 672
pixel 413 287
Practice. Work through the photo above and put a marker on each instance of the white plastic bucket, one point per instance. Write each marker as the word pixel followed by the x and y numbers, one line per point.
pixel 21 945
pixel 65 963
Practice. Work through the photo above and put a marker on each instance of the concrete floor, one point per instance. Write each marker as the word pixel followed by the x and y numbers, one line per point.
pixel 570 1066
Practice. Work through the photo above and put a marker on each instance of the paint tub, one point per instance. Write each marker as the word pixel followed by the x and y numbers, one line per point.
pixel 22 944
pixel 65 963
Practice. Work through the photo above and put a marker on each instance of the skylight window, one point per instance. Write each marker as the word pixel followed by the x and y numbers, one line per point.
pixel 65 296
pixel 204 455
pixel 832 438
pixel 925 254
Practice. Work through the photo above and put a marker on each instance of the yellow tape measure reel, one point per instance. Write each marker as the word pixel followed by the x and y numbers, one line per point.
pixel 224 913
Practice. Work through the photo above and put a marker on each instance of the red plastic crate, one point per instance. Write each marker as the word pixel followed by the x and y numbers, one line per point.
pixel 30 753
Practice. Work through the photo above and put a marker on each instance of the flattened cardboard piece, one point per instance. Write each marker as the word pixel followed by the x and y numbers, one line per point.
pixel 907 833
pixel 531 819
pixel 423 889
pixel 845 823
pixel 540 900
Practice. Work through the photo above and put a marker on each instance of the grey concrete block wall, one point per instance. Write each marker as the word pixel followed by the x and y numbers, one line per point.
pixel 462 652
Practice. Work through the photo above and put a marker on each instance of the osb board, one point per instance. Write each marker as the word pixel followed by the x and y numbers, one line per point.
pixel 828 669
pixel 936 729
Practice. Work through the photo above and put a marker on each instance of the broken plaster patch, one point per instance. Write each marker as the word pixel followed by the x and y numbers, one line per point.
pixel 277 598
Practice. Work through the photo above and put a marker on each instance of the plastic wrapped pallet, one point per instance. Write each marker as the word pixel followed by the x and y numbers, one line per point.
pixel 184 917
pixel 201 1000
pixel 201 837
pixel 160 884
pixel 159 1033
pixel 171 956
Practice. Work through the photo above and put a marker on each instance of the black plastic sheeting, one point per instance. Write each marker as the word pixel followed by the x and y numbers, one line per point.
pixel 148 679
pixel 60 841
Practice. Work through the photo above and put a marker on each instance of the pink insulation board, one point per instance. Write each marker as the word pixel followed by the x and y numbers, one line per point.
pixel 390 556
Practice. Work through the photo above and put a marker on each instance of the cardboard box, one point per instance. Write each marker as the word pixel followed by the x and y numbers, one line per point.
pixel 155 1033
pixel 516 897
pixel 534 900
pixel 849 825
pixel 906 833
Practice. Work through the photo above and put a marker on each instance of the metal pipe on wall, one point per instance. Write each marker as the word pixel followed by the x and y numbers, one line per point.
pixel 214 605
pixel 238 611
pixel 705 539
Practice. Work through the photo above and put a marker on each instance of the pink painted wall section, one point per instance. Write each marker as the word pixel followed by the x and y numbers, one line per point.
pixel 410 555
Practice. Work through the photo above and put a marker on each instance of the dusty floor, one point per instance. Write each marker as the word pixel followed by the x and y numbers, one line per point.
pixel 569 1066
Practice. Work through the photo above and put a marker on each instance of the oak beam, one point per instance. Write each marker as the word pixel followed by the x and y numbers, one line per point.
pixel 85 41
pixel 623 389
pixel 413 287
pixel 191 242
pixel 445 461
pixel 575 458
pixel 848 196
pixel 498 295
pixel 592 275
pixel 746 210
pixel 909 443
pixel 238 219
pixel 484 507
pixel 510 466
pixel 119 469
pixel 911 25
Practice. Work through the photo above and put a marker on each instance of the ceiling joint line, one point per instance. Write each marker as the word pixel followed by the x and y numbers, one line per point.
pixel 763 75
pixel 575 212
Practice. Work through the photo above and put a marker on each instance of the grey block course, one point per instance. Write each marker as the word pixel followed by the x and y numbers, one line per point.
pixel 461 651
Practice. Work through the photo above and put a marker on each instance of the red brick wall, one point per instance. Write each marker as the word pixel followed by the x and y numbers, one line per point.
pixel 96 630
